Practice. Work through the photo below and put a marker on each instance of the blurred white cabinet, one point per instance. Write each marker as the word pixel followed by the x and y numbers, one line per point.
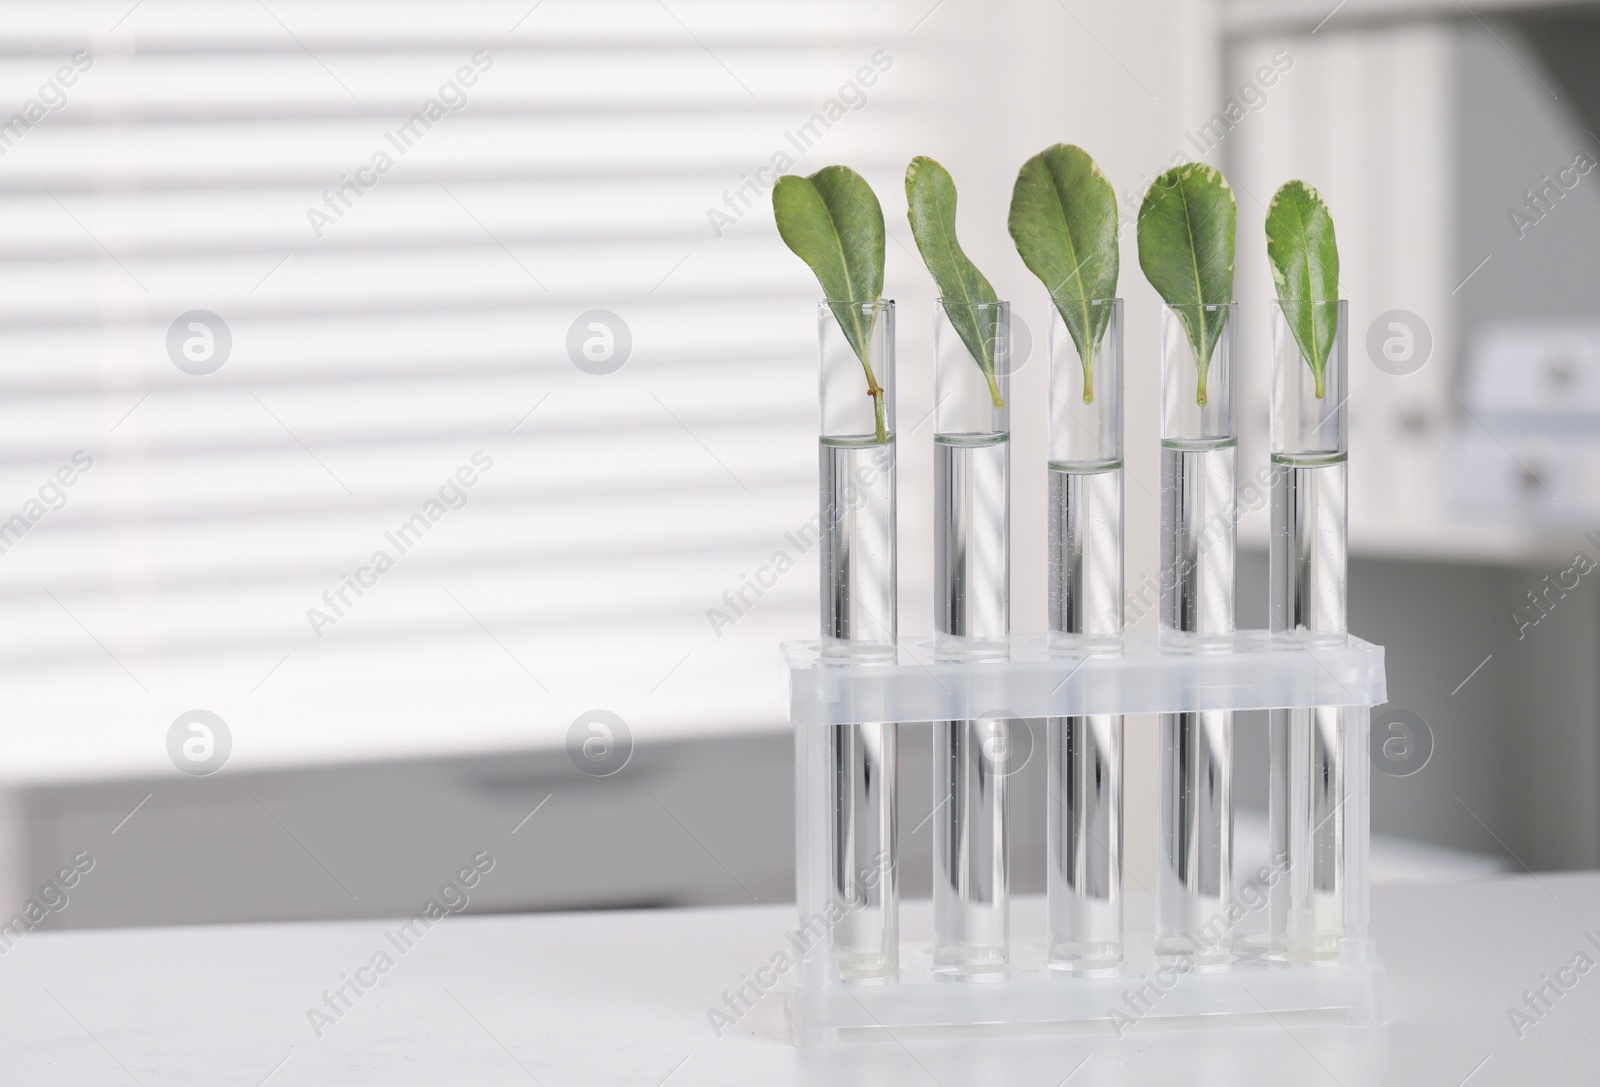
pixel 1425 129
pixel 1533 388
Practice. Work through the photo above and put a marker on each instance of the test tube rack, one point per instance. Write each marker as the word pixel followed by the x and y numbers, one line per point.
pixel 1250 670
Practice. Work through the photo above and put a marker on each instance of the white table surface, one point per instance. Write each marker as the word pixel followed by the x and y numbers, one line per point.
pixel 622 998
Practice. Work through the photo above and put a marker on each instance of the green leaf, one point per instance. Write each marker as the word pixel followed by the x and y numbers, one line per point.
pixel 833 221
pixel 1186 238
pixel 931 196
pixel 1064 221
pixel 1305 269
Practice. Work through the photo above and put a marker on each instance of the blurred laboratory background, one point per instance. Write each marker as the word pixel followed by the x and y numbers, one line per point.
pixel 407 423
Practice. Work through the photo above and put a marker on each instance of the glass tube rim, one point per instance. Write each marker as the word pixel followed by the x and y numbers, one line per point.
pixel 1175 307
pixel 1068 432
pixel 969 411
pixel 1190 367
pixel 1001 303
pixel 1290 442
pixel 846 378
pixel 880 304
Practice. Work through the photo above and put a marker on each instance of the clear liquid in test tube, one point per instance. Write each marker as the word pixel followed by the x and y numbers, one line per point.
pixel 972 574
pixel 1199 464
pixel 1307 775
pixel 859 762
pixel 1085 610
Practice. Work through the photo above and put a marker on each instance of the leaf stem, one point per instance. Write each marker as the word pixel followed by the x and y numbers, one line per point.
pixel 1200 340
pixel 994 391
pixel 1088 380
pixel 875 391
pixel 1318 372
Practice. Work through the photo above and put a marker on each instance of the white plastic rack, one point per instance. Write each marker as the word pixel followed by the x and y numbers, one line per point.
pixel 1250 670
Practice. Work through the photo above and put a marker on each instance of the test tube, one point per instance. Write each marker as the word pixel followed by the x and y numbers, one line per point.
pixel 972 575
pixel 857 558
pixel 1199 464
pixel 1084 826
pixel 1306 602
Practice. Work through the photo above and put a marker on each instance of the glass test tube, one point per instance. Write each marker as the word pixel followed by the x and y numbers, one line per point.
pixel 1199 454
pixel 1306 601
pixel 972 575
pixel 1084 828
pixel 857 525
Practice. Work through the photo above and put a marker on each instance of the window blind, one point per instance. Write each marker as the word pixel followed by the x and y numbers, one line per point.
pixel 292 294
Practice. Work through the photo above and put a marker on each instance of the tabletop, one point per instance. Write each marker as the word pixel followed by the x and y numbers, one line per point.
pixel 1490 982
